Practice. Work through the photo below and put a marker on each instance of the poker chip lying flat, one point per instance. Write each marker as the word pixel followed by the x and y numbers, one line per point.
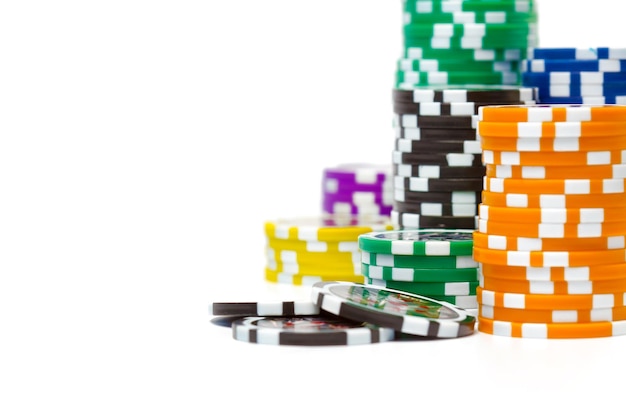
pixel 553 316
pixel 577 53
pixel 565 172
pixel 267 308
pixel 550 287
pixel 326 227
pixel 552 330
pixel 430 289
pixel 403 312
pixel 422 242
pixel 319 330
pixel 417 261
pixel 389 273
pixel 476 93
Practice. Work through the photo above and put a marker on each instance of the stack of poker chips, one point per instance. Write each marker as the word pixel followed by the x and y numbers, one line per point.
pixel 437 161
pixel 456 42
pixel 358 188
pixel 305 250
pixel 551 243
pixel 433 263
pixel 576 75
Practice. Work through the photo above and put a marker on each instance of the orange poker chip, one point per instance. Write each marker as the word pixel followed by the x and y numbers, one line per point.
pixel 551 330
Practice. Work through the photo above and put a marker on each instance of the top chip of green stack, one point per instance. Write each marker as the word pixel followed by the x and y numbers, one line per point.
pixel 423 242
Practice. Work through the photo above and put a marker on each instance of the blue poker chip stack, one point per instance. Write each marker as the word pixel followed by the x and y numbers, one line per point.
pixel 576 75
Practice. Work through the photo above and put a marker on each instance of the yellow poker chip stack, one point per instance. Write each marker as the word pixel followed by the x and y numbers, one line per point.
pixel 551 241
pixel 305 250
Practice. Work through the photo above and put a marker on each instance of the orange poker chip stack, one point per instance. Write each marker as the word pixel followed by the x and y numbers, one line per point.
pixel 551 238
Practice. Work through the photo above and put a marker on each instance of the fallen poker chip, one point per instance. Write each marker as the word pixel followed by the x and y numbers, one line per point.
pixel 316 330
pixel 404 312
pixel 263 308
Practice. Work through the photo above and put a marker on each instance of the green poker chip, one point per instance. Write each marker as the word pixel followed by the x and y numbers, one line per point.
pixel 511 6
pixel 421 242
pixel 451 64
pixel 417 261
pixel 389 273
pixel 496 54
pixel 425 30
pixel 430 289
pixel 483 16
pixel 416 78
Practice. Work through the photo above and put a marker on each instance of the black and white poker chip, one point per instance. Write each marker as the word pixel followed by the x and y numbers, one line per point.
pixel 402 311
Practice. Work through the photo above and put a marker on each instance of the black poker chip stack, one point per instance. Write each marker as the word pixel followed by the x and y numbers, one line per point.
pixel 437 157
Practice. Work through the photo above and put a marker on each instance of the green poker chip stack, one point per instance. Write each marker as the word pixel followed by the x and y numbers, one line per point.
pixel 465 42
pixel 433 263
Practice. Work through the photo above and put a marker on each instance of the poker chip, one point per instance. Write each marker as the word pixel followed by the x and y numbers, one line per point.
pixel 429 134
pixel 550 287
pixel 423 242
pixel 513 40
pixel 314 268
pixel 451 197
pixel 552 215
pixel 401 311
pixel 446 146
pixel 548 113
pixel 425 12
pixel 389 273
pixel 468 55
pixel 473 94
pixel 413 220
pixel 441 159
pixel 576 53
pixel 433 289
pixel 436 171
pixel 552 330
pixel 515 243
pixel 452 65
pixel 542 186
pixel 542 80
pixel 554 172
pixel 598 92
pixel 280 277
pixel 438 209
pixel 326 228
pixel 573 158
pixel 268 308
pixel 411 79
pixel 574 65
pixel 549 258
pixel 556 274
pixel 549 301
pixel 591 100
pixel 319 330
pixel 417 184
pixel 552 230
pixel 553 316
pixel 551 200
pixel 415 261
pixel 547 144
pixel 450 6
pixel 312 246
pixel 551 129
pixel 311 257
pixel 431 122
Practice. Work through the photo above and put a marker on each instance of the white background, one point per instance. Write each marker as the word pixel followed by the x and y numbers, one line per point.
pixel 143 145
